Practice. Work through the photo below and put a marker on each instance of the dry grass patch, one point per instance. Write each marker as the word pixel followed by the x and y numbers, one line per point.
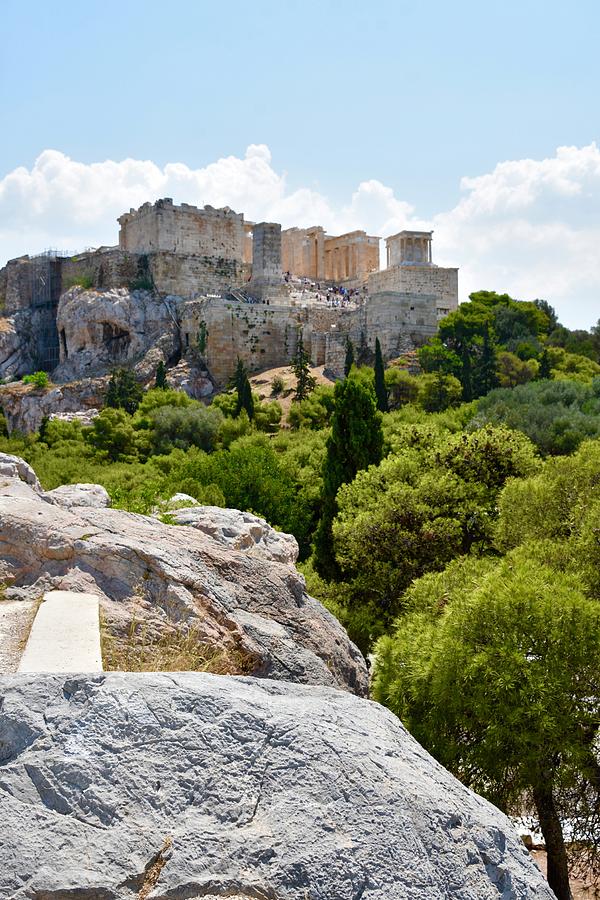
pixel 173 649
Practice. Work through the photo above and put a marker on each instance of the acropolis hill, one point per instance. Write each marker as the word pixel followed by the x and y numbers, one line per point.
pixel 249 288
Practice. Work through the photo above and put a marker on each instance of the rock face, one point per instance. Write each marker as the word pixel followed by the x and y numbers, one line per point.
pixel 25 405
pixel 100 329
pixel 251 612
pixel 187 786
pixel 240 531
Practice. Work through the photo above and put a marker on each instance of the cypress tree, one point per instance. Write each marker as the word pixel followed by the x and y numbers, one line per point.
pixel 356 441
pixel 380 388
pixel 305 382
pixel 349 361
pixel 161 376
pixel 247 398
pixel 243 389
pixel 545 371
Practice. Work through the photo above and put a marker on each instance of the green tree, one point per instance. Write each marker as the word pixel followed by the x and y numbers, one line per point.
pixel 496 674
pixel 160 381
pixel 485 377
pixel 124 392
pixel 381 393
pixel 243 390
pixel 545 370
pixel 437 392
pixel 349 360
pixel 401 387
pixel 305 382
pixel 356 441
pixel 112 433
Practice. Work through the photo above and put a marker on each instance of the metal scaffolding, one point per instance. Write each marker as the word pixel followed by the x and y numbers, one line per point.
pixel 45 283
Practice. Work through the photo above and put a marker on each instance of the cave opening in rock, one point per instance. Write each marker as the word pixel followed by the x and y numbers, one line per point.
pixel 115 339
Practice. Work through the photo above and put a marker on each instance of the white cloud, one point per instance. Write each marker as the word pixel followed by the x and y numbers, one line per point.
pixel 529 227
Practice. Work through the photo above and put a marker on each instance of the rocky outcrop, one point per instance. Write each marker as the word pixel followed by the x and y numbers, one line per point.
pixel 100 329
pixel 239 531
pixel 248 614
pixel 187 786
pixel 25 406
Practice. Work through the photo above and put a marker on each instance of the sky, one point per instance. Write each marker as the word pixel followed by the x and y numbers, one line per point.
pixel 478 120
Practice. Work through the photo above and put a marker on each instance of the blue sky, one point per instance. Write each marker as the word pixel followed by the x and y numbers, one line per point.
pixel 412 97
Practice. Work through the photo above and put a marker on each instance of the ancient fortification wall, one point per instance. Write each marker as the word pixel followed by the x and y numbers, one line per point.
pixel 265 335
pixel 183 229
pixel 441 283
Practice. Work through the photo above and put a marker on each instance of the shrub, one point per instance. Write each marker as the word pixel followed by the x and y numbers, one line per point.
pixel 38 379
pixel 277 385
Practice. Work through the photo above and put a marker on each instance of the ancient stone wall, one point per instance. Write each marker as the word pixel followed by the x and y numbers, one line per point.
pixel 421 280
pixel 261 335
pixel 264 335
pixel 186 229
pixel 15 286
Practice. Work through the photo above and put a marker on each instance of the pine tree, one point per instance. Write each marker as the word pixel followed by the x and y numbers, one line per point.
pixel 112 396
pixel 305 382
pixel 161 377
pixel 356 441
pixel 247 398
pixel 349 361
pixel 380 388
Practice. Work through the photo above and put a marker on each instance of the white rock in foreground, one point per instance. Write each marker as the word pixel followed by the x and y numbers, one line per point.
pixel 250 788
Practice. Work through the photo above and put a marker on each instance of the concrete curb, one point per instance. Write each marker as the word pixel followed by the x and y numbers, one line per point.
pixel 65 635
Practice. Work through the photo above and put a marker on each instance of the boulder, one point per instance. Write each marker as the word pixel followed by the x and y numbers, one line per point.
pixel 248 614
pixel 13 468
pixel 240 531
pixel 70 495
pixel 187 786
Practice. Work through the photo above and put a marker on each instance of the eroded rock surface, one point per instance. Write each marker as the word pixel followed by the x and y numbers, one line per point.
pixel 240 531
pixel 70 495
pixel 226 787
pixel 102 328
pixel 253 611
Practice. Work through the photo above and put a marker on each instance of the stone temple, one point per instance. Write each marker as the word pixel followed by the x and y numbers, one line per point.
pixel 252 288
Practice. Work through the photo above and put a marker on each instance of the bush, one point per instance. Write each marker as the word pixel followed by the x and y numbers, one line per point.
pixel 85 280
pixel 277 385
pixel 38 379
pixel 556 415
pixel 184 426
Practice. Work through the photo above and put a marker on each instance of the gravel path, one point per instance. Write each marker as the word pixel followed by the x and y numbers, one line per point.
pixel 16 617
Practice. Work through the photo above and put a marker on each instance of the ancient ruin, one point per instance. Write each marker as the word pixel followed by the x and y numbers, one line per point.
pixel 248 289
